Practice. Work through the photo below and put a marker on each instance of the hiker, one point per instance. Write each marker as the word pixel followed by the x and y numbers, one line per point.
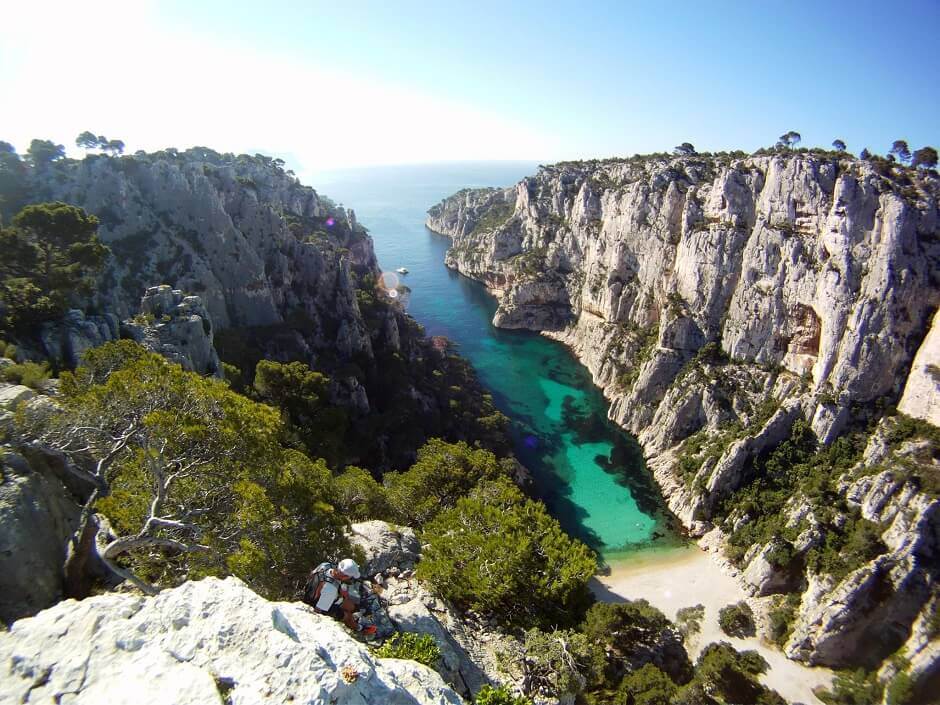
pixel 335 590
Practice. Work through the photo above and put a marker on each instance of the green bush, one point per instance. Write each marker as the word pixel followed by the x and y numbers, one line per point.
pixel 558 663
pixel 737 620
pixel 647 686
pixel 853 688
pixel 781 618
pixel 501 554
pixel 443 473
pixel 409 645
pixel 489 695
pixel 689 620
pixel 635 633
pixel 359 497
pixel 31 374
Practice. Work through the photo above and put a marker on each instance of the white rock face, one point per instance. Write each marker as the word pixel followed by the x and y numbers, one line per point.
pixel 921 398
pixel 209 642
pixel 732 297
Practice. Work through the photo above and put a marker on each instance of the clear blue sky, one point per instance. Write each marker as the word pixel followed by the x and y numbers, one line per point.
pixel 336 84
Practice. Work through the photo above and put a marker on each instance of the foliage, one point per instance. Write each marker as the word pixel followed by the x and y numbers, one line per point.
pixel 501 554
pixel 900 149
pixel 13 182
pixel 558 663
pixel 689 620
pixel 925 157
pixel 31 374
pixel 737 620
pixel 634 633
pixel 501 695
pixel 685 149
pixel 311 423
pixel 359 497
pixel 781 618
pixel 900 689
pixel 647 685
pixel 838 145
pixel 788 139
pixel 443 473
pixel 409 645
pixel 51 255
pixel 495 216
pixel 192 475
pixel 732 676
pixel 43 152
pixel 853 688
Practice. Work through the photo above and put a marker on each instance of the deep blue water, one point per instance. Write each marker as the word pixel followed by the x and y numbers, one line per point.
pixel 588 472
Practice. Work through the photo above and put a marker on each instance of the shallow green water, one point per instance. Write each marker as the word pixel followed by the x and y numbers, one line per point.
pixel 589 473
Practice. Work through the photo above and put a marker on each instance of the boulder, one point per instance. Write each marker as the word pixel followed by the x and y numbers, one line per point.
pixel 385 546
pixel 12 394
pixel 207 642
pixel 37 517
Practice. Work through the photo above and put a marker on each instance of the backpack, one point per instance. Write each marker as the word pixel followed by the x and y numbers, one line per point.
pixel 318 575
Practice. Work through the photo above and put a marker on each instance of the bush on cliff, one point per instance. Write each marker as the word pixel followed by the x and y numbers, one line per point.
pixel 501 554
pixel 193 476
pixel 443 473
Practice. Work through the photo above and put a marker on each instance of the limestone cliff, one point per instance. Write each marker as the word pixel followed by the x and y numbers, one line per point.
pixel 719 299
pixel 272 270
pixel 213 642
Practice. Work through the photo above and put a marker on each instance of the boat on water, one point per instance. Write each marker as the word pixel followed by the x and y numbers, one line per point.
pixel 402 270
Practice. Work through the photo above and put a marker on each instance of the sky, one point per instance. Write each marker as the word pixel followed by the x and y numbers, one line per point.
pixel 344 84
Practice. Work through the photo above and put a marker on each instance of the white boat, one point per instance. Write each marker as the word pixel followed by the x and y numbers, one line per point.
pixel 402 270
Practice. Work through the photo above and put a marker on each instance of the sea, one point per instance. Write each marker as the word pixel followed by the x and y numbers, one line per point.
pixel 590 473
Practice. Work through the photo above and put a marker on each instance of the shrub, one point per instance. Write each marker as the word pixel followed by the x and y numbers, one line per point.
pixel 633 634
pixel 557 664
pixel 489 695
pixel 689 620
pixel 31 374
pixel 442 474
pixel 853 688
pixel 646 686
pixel 359 497
pixel 781 618
pixel 409 645
pixel 501 554
pixel 737 620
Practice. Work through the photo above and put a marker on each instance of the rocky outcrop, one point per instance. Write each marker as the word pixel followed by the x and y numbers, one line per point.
pixel 921 398
pixel 719 299
pixel 66 340
pixel 470 648
pixel 213 642
pixel 386 546
pixel 176 326
pixel 37 517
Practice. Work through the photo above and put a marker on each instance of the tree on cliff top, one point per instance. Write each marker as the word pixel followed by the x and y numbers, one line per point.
pixel 900 149
pixel 43 152
pixel 685 149
pixel 788 139
pixel 926 157
pixel 51 256
pixel 838 145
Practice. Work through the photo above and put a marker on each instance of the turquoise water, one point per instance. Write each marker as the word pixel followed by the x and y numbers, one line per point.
pixel 588 472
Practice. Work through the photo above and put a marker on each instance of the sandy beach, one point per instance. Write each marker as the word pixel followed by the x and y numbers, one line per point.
pixel 684 577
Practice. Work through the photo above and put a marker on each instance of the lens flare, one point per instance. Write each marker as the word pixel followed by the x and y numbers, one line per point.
pixel 393 293
pixel 389 281
pixel 330 222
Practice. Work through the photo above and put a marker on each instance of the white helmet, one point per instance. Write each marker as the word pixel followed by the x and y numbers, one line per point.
pixel 349 567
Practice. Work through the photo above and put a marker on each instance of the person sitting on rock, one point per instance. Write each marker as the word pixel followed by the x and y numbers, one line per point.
pixel 334 590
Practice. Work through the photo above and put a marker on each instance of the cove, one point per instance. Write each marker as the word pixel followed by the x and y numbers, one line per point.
pixel 589 473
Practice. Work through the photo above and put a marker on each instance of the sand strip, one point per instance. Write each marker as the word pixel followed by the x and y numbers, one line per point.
pixel 685 577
